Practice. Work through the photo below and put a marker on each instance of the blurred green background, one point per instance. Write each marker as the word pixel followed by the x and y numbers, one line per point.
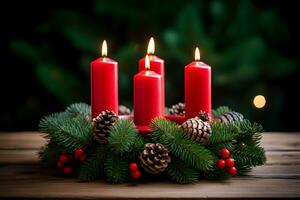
pixel 251 46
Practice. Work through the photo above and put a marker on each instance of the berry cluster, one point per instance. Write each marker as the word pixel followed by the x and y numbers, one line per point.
pixel 226 161
pixel 67 161
pixel 134 171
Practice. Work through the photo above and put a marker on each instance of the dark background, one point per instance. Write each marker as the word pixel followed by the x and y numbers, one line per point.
pixel 252 46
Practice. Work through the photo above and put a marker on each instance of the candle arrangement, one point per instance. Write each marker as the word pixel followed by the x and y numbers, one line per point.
pixel 192 142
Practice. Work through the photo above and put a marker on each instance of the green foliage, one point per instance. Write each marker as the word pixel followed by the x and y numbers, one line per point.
pixel 116 167
pixel 222 133
pixel 122 135
pixel 220 111
pixel 71 129
pixel 49 154
pixel 167 133
pixel 70 133
pixel 182 173
pixel 93 167
pixel 250 133
pixel 79 109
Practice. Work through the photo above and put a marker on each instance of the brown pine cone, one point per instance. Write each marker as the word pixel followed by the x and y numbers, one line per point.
pixel 177 109
pixel 102 125
pixel 204 116
pixel 123 110
pixel 155 158
pixel 231 117
pixel 196 130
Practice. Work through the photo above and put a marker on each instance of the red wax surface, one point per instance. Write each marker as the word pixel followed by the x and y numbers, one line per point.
pixel 147 97
pixel 104 85
pixel 157 65
pixel 197 85
pixel 176 118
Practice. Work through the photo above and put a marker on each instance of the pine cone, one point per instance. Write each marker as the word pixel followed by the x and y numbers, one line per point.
pixel 123 110
pixel 231 117
pixel 155 158
pixel 177 109
pixel 204 116
pixel 196 130
pixel 102 125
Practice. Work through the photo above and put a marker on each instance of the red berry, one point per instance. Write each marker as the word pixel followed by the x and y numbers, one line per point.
pixel 78 153
pixel 63 158
pixel 68 170
pixel 136 174
pixel 70 158
pixel 232 171
pixel 224 153
pixel 221 164
pixel 82 158
pixel 60 165
pixel 229 162
pixel 133 167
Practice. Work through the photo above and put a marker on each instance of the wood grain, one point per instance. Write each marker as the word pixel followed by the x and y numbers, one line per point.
pixel 21 176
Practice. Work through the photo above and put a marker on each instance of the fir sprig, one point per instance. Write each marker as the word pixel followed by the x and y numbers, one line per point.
pixel 122 135
pixel 70 133
pixel 93 167
pixel 249 133
pixel 79 109
pixel 220 111
pixel 182 173
pixel 116 167
pixel 222 133
pixel 167 133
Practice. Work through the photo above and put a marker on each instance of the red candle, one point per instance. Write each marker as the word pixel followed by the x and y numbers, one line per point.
pixel 147 96
pixel 104 84
pixel 157 65
pixel 197 85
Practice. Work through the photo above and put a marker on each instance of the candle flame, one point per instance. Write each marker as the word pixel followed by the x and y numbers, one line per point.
pixel 151 46
pixel 104 48
pixel 147 62
pixel 197 54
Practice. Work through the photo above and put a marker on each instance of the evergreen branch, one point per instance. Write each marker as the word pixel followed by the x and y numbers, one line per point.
pixel 122 135
pixel 182 173
pixel 79 109
pixel 249 156
pixel 220 111
pixel 93 167
pixel 116 167
pixel 167 133
pixel 250 133
pixel 70 133
pixel 222 133
pixel 136 148
pixel 50 153
pixel 216 174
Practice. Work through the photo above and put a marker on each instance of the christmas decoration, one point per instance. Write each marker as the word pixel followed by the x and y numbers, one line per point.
pixel 123 110
pixel 197 130
pixel 232 171
pixel 224 153
pixel 221 164
pixel 231 117
pixel 229 162
pixel 204 116
pixel 136 175
pixel 102 124
pixel 231 148
pixel 133 167
pixel 155 158
pixel 177 109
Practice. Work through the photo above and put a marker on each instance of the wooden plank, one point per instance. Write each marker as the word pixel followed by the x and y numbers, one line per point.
pixel 21 140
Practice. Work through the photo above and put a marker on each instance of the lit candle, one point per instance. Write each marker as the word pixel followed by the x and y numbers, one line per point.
pixel 197 85
pixel 147 95
pixel 157 65
pixel 104 84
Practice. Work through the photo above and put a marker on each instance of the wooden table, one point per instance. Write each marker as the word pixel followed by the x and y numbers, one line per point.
pixel 21 176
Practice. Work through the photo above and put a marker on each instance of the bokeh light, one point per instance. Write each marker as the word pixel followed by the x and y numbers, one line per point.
pixel 259 101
